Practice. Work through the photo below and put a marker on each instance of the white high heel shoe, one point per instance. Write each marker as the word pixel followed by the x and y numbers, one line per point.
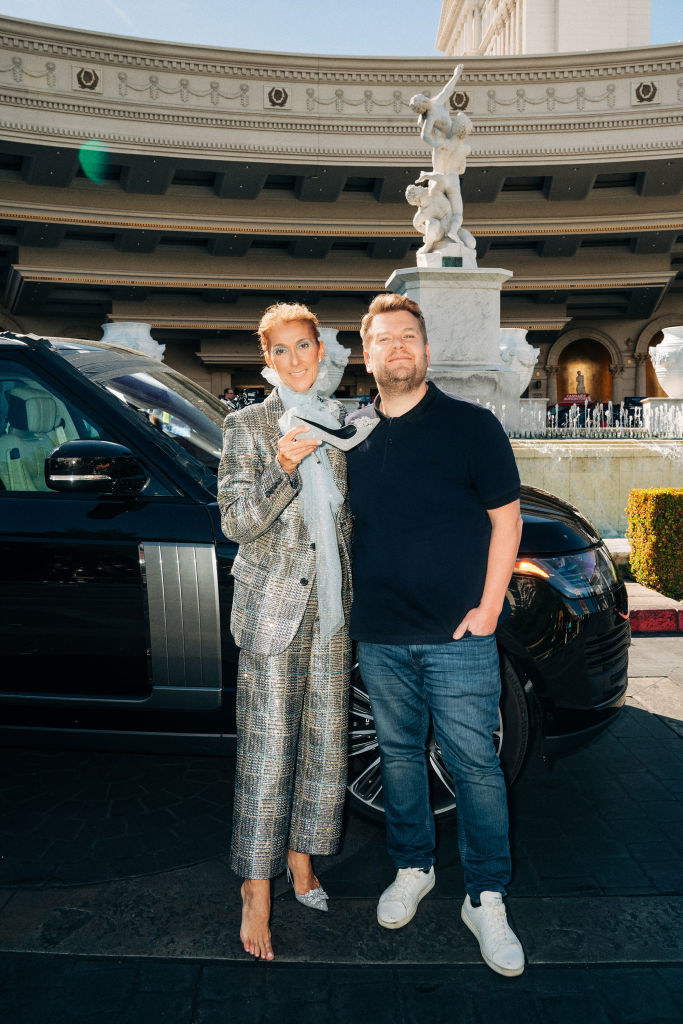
pixel 315 899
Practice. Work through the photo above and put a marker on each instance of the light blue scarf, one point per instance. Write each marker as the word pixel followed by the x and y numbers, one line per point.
pixel 319 497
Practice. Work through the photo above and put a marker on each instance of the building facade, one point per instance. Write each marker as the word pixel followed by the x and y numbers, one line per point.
pixel 494 28
pixel 189 187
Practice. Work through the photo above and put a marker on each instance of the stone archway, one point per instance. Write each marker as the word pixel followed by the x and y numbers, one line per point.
pixel 583 333
pixel 587 349
pixel 591 360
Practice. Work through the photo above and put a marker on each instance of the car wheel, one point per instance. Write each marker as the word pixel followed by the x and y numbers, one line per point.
pixel 365 781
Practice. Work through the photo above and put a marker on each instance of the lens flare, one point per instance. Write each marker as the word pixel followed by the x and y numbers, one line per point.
pixel 94 159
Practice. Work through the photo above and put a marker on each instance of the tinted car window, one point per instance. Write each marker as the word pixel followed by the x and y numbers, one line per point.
pixel 181 410
pixel 175 410
pixel 34 419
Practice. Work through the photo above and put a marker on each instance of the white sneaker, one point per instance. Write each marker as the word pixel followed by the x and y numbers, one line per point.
pixel 398 903
pixel 500 947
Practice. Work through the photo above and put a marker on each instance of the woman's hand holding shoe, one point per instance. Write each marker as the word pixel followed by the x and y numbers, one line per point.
pixel 291 449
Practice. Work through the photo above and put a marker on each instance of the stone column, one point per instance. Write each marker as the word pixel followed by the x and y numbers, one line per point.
pixel 552 372
pixel 640 360
pixel 617 370
pixel 461 308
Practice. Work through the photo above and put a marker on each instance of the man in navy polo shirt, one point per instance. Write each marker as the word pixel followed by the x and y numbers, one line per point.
pixel 434 491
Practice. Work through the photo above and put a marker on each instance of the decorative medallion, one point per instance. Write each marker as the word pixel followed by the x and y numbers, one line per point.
pixel 87 78
pixel 459 100
pixel 277 97
pixel 646 92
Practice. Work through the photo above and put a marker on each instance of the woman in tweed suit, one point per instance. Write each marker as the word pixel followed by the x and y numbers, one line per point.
pixel 292 686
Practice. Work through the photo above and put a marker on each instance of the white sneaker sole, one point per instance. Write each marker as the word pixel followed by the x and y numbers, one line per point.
pixel 406 920
pixel 508 972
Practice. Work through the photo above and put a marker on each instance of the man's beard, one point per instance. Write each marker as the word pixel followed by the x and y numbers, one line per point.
pixel 402 379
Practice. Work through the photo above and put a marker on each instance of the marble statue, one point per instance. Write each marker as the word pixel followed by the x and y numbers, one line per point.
pixel 667 359
pixel 445 131
pixel 133 334
pixel 433 217
pixel 580 383
pixel 518 355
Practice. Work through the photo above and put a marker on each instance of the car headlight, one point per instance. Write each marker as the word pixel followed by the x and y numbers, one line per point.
pixel 574 575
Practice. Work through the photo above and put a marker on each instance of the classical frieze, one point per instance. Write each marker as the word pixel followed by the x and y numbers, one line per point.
pixel 550 99
pixel 179 92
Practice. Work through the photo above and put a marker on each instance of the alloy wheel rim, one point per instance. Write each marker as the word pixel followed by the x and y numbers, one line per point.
pixel 365 780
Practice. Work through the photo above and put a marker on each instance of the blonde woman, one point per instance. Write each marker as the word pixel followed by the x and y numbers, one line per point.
pixel 282 494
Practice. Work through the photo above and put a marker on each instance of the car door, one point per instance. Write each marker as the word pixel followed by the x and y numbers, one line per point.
pixel 104 601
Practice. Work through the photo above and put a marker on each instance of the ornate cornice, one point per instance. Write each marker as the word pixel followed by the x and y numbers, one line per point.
pixel 293 280
pixel 119 51
pixel 586 282
pixel 179 322
pixel 200 282
pixel 539 152
pixel 301 225
pixel 537 323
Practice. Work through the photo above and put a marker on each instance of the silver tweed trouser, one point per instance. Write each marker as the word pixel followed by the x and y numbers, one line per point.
pixel 292 721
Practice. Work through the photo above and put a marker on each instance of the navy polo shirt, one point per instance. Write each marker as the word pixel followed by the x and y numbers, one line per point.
pixel 419 487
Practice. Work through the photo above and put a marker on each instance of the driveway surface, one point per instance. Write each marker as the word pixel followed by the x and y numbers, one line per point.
pixel 117 903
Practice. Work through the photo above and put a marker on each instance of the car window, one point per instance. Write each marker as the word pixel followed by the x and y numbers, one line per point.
pixel 190 419
pixel 176 409
pixel 34 419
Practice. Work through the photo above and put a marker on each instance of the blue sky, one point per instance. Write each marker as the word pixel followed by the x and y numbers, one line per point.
pixel 382 27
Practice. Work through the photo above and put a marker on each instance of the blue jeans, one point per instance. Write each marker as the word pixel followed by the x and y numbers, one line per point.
pixel 459 683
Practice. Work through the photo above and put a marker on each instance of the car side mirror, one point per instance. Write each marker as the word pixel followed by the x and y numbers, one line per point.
pixel 94 467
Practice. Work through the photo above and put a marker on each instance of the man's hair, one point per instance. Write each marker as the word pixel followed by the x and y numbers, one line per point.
pixel 285 313
pixel 388 302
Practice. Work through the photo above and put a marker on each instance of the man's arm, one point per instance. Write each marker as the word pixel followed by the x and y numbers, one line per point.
pixel 506 532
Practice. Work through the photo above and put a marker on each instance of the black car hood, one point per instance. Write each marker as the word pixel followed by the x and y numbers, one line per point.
pixel 552 526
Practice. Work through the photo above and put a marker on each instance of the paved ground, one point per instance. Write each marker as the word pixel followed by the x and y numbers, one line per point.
pixel 89 931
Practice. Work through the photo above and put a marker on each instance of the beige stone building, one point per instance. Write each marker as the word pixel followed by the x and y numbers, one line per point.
pixel 496 28
pixel 189 187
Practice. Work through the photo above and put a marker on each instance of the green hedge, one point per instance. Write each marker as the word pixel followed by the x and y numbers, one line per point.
pixel 655 530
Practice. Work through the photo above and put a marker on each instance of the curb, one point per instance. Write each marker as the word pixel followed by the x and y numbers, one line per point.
pixel 646 621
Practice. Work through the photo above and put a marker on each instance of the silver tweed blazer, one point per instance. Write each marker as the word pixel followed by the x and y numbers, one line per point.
pixel 274 569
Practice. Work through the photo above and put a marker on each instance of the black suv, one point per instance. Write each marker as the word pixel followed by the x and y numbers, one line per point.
pixel 115 583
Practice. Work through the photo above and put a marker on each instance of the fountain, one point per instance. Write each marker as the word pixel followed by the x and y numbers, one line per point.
pixel 595 457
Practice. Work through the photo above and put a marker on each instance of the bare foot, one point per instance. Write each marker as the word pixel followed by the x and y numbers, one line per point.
pixel 302 872
pixel 255 933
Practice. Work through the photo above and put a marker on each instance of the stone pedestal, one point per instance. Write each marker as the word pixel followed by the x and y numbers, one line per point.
pixel 448 253
pixel 461 308
pixel 663 417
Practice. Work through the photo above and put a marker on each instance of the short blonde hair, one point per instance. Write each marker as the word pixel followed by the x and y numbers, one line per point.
pixel 285 313
pixel 389 302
